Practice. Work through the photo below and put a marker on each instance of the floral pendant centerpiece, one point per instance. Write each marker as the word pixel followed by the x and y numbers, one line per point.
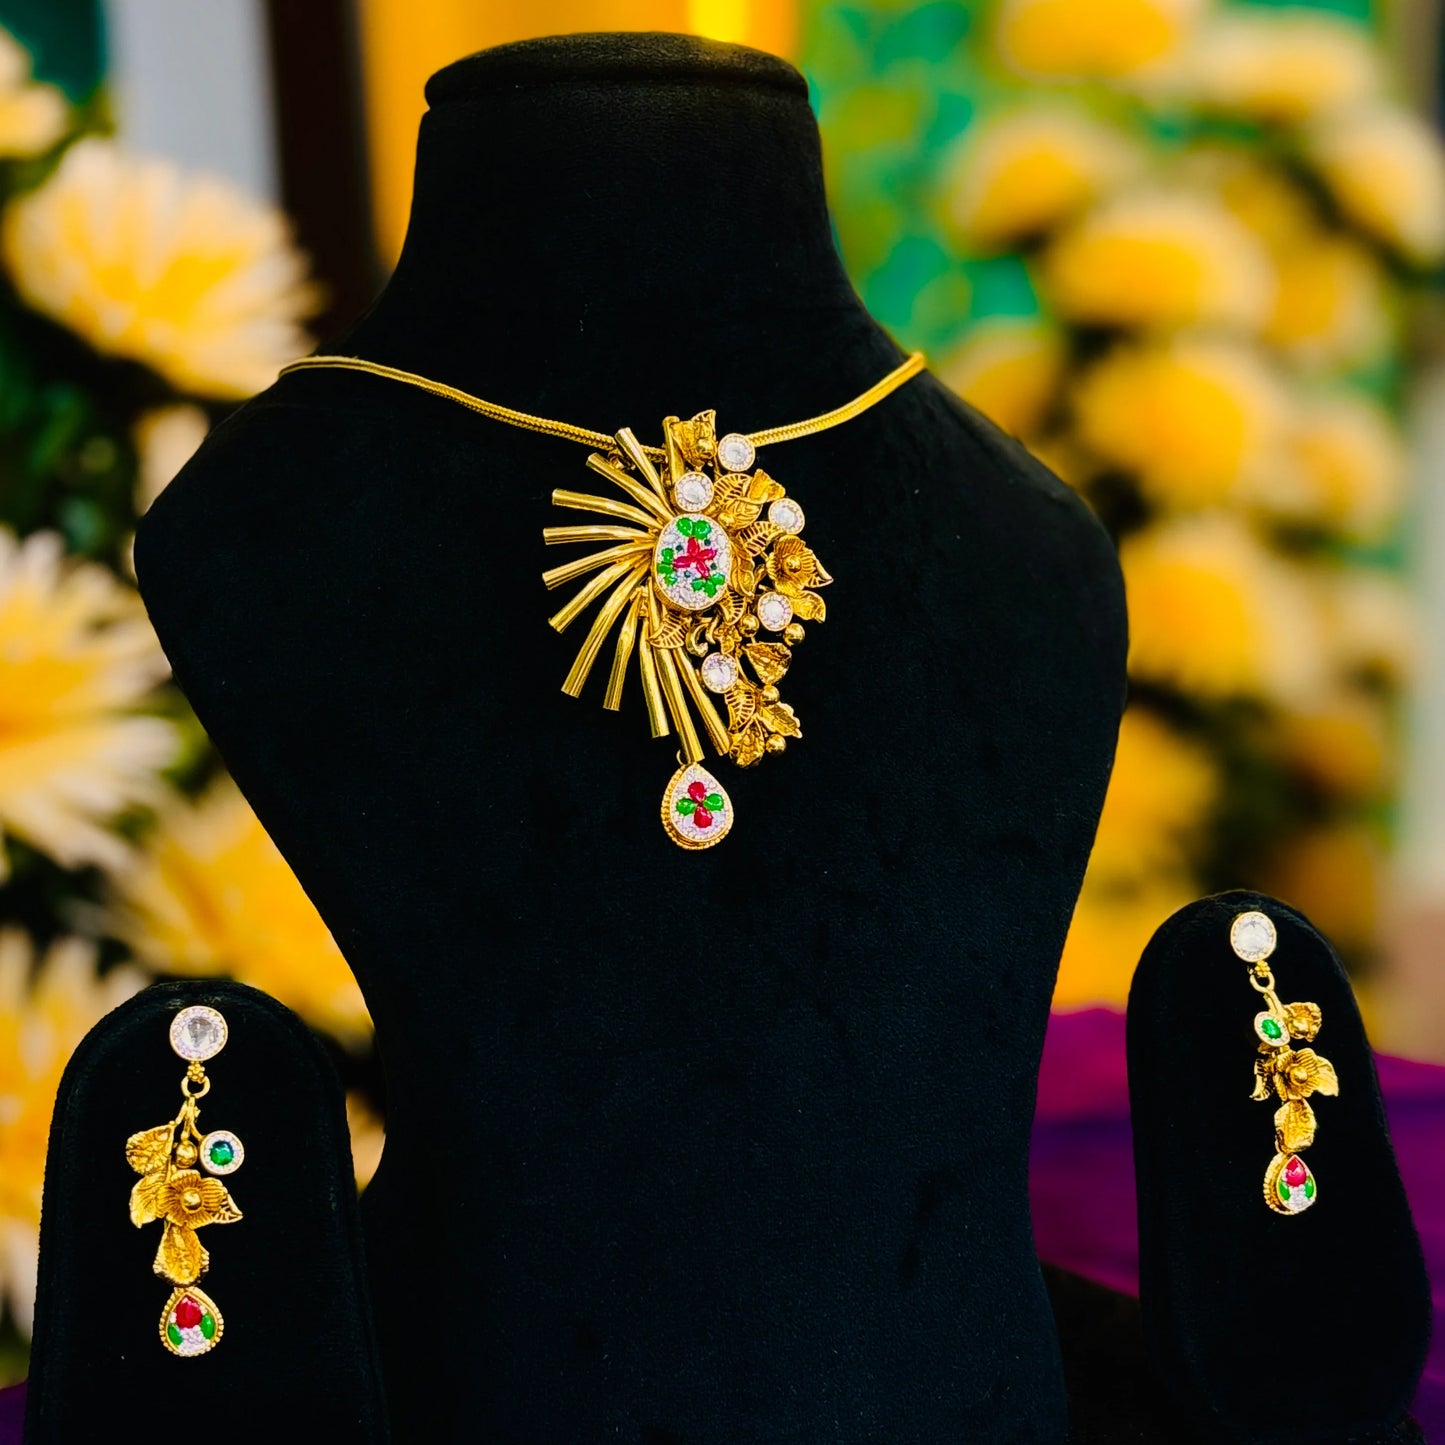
pixel 708 582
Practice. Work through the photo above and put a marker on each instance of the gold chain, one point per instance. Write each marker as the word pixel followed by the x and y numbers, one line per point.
pixel 600 440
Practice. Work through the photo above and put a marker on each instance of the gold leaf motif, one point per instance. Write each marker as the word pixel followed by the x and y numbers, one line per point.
pixel 743 579
pixel 1262 1072
pixel 1303 1019
pixel 1294 1124
pixel 738 513
pixel 769 659
pixel 181 1258
pixel 756 538
pixel 669 630
pixel 150 1149
pixel 698 641
pixel 780 718
pixel 810 607
pixel 748 745
pixel 763 489
pixel 743 702
pixel 729 607
pixel 697 439
pixel 145 1198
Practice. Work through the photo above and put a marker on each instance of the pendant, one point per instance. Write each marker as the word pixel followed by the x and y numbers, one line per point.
pixel 708 582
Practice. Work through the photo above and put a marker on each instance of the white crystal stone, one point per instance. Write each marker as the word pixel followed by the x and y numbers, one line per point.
pixel 198 1033
pixel 719 671
pixel 786 515
pixel 693 491
pixel 695 554
pixel 735 452
pixel 1252 936
pixel 774 611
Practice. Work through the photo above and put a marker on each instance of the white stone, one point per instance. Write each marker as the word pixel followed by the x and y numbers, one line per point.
pixel 198 1033
pixel 1252 936
pixel 736 452
pixel 681 592
pixel 786 515
pixel 774 611
pixel 719 672
pixel 693 491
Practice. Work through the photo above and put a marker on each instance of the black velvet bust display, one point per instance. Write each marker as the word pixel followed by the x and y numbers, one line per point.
pixel 1265 1329
pixel 297 1359
pixel 765 1182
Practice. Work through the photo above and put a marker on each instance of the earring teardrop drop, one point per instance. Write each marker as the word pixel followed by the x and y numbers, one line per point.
pixel 696 810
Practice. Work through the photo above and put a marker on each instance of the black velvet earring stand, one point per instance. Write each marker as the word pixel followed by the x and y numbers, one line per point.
pixel 1266 1329
pixel 297 1359
pixel 704 1147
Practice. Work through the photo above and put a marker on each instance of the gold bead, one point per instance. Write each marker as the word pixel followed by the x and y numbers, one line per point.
pixel 776 743
pixel 770 693
pixel 191 1199
pixel 186 1154
pixel 793 633
pixel 748 624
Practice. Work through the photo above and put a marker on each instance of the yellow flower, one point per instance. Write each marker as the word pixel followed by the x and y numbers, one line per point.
pixel 1341 744
pixel 1111 925
pixel 45 1011
pixel 1159 259
pixel 1021 172
pixel 1369 626
pixel 1347 467
pixel 76 655
pixel 1329 307
pixel 1281 66
pixel 368 1137
pixel 184 274
pixel 1160 793
pixel 1009 369
pixel 1192 419
pixel 1386 170
pixel 33 116
pixel 166 438
pixel 212 895
pixel 1215 613
pixel 1103 39
pixel 1335 875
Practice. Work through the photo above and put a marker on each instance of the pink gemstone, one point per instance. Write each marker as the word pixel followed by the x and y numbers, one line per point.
pixel 697 791
pixel 188 1313
pixel 1295 1172
pixel 702 817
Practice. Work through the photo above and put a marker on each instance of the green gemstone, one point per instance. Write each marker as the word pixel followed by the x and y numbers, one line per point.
pixel 222 1153
pixel 208 1325
pixel 1283 1190
pixel 685 806
pixel 1271 1029
pixel 173 1334
pixel 714 801
pixel 1310 1187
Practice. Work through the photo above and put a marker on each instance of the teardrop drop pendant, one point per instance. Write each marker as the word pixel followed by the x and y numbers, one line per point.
pixel 710 583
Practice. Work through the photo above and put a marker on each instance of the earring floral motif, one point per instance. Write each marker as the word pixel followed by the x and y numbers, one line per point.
pixel 172 1189
pixel 1289 1073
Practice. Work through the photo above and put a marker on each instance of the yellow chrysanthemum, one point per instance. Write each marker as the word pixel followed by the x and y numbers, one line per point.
pixel 1022 172
pixel 1160 259
pixel 1112 924
pixel 184 274
pixel 368 1137
pixel 1342 745
pixel 1386 170
pixel 76 656
pixel 1282 66
pixel 1329 309
pixel 213 895
pixel 1333 874
pixel 1370 627
pixel 1009 369
pixel 1347 467
pixel 45 1011
pixel 33 115
pixel 1103 39
pixel 1215 613
pixel 1192 419
pixel 1160 793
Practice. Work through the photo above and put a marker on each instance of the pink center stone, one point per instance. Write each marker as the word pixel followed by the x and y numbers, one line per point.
pixel 188 1313
pixel 1295 1172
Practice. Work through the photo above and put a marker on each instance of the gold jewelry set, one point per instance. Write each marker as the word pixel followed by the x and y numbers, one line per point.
pixel 705 562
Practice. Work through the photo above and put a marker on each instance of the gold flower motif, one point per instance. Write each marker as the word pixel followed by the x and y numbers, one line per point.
pixel 794 569
pixel 190 1200
pixel 1298 1073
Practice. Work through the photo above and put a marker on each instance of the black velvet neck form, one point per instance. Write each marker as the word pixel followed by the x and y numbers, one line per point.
pixel 718 1147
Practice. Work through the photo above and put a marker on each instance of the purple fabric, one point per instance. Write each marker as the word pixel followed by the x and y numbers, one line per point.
pixel 1081 1133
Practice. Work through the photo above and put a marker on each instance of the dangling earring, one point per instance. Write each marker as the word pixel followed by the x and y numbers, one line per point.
pixel 1292 1074
pixel 172 1189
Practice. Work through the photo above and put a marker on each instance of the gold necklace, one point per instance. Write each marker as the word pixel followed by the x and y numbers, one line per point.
pixel 697 568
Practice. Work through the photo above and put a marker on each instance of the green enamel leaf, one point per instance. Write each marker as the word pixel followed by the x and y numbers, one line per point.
pixel 714 801
pixel 684 525
pixel 208 1325
pixel 668 553
pixel 1283 1190
pixel 701 528
pixel 173 1334
pixel 686 806
pixel 1309 1188
pixel 699 585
